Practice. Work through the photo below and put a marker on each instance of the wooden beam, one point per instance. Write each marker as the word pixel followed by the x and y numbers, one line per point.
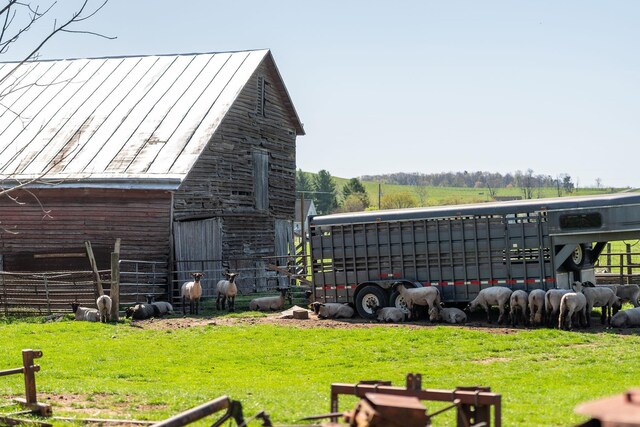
pixel 94 267
pixel 115 286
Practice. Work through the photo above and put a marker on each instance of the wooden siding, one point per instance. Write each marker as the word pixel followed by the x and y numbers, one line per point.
pixel 222 184
pixel 50 231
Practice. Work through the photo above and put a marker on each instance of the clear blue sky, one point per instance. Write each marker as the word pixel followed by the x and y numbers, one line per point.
pixel 420 86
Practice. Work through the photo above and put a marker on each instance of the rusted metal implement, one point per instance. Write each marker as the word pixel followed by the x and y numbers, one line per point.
pixel 473 404
pixel 233 407
pixel 28 369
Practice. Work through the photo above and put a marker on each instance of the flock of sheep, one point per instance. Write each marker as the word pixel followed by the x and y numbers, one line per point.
pixel 562 307
pixel 556 307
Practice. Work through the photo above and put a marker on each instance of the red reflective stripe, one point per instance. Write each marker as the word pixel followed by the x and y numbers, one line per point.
pixel 474 282
pixel 459 282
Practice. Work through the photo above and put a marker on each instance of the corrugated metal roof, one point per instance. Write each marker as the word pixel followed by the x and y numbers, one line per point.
pixel 125 121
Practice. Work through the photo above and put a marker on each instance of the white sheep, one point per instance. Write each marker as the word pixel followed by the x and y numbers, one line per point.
pixel 192 291
pixel 451 315
pixel 597 296
pixel 227 291
pixel 626 318
pixel 389 314
pixel 518 306
pixel 333 310
pixel 626 293
pixel 495 295
pixel 552 300
pixel 572 303
pixel 536 306
pixel 274 303
pixel 427 296
pixel 104 304
pixel 140 311
pixel 85 313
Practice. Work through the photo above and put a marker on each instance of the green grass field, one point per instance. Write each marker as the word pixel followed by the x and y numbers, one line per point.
pixel 120 371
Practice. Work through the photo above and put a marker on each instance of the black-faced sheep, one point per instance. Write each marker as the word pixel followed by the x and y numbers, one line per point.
pixel 227 291
pixel 518 306
pixel 85 313
pixel 104 304
pixel 536 306
pixel 572 303
pixel 161 307
pixel 192 291
pixel 389 314
pixel 626 318
pixel 274 303
pixel 452 315
pixel 552 300
pixel 333 310
pixel 487 297
pixel 428 296
pixel 140 311
pixel 597 296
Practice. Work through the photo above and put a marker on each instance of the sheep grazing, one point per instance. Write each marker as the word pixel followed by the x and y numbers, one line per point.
pixel 626 293
pixel 274 303
pixel 227 291
pixel 389 314
pixel 104 304
pixel 552 304
pixel 572 303
pixel 192 291
pixel 333 310
pixel 626 318
pixel 536 306
pixel 452 315
pixel 597 296
pixel 518 307
pixel 140 311
pixel 428 296
pixel 84 313
pixel 495 295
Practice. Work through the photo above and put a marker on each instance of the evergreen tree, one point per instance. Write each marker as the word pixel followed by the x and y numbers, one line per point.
pixel 303 183
pixel 325 192
pixel 355 188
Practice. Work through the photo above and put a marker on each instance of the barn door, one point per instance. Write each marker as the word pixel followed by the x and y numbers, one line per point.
pixel 198 247
pixel 284 246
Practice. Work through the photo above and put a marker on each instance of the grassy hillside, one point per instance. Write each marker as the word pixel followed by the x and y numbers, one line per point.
pixel 434 196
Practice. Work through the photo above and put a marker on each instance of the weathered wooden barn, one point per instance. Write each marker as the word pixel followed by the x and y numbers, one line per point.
pixel 183 157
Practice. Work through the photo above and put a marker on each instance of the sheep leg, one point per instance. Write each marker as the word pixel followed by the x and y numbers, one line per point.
pixel 603 314
pixel 197 305
pixel 218 302
pixel 184 307
pixel 232 304
pixel 588 314
pixel 501 317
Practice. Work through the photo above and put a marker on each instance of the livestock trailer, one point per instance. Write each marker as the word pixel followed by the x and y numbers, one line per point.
pixel 524 244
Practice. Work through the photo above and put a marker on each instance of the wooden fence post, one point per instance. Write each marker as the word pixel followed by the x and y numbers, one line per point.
pixel 115 286
pixel 94 267
pixel 629 267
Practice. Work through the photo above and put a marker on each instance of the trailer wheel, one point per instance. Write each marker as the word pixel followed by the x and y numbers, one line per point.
pixel 397 301
pixel 370 296
pixel 576 260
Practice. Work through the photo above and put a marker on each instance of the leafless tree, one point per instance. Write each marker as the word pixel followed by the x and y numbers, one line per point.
pixel 16 19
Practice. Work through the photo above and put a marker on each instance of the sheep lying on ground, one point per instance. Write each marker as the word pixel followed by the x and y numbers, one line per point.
pixel 552 304
pixel 451 315
pixel 227 291
pixel 140 311
pixel 192 291
pixel 104 304
pixel 518 306
pixel 570 304
pixel 333 310
pixel 85 313
pixel 626 318
pixel 161 307
pixel 495 295
pixel 536 306
pixel 428 296
pixel 274 303
pixel 389 314
pixel 599 296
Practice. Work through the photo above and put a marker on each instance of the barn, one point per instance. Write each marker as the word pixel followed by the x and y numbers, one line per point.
pixel 188 159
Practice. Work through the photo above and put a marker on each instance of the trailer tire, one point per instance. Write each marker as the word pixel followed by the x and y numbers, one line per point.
pixel 576 260
pixel 370 296
pixel 397 301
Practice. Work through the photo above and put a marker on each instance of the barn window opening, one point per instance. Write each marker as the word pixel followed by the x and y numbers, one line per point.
pixel 261 97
